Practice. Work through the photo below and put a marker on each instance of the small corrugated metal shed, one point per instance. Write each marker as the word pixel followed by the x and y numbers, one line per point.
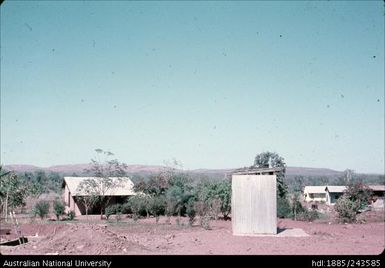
pixel 254 201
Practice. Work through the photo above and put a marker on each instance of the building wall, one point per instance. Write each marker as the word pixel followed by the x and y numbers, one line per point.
pixel 70 202
pixel 379 193
pixel 308 198
pixel 254 204
pixel 331 198
pixel 73 203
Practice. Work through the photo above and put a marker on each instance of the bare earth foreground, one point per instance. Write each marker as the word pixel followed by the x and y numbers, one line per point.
pixel 145 237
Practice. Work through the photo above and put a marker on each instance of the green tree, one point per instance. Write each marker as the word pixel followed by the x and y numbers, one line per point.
pixel 346 178
pixel 178 193
pixel 88 201
pixel 211 192
pixel 89 194
pixel 296 206
pixel 283 207
pixel 298 184
pixel 155 186
pixel 104 171
pixel 157 206
pixel 357 191
pixel 137 203
pixel 355 198
pixel 13 191
pixel 273 160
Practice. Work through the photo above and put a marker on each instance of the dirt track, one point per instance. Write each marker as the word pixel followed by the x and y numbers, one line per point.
pixel 145 237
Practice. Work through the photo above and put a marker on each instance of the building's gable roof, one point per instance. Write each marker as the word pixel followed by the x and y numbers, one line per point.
pixel 314 189
pixel 377 187
pixel 125 188
pixel 335 189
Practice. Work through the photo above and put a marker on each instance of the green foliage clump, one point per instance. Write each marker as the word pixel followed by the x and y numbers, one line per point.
pixel 216 195
pixel 155 186
pixel 110 210
pixel 347 209
pixel 191 212
pixel 355 198
pixel 71 215
pixel 283 208
pixel 157 206
pixel 59 208
pixel 359 192
pixel 295 210
pixel 114 209
pixel 137 204
pixel 13 191
pixel 308 215
pixel 41 209
pixel 126 208
pixel 178 194
pixel 204 210
pixel 205 222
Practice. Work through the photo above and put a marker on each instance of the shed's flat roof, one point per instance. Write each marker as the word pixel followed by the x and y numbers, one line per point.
pixel 256 171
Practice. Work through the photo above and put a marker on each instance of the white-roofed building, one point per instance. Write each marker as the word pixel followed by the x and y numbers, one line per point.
pixel 378 190
pixel 333 193
pixel 326 193
pixel 314 194
pixel 123 188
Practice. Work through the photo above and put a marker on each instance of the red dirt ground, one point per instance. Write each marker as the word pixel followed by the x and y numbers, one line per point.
pixel 145 237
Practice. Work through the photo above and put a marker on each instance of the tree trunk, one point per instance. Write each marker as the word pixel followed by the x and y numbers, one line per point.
pixel 179 212
pixel 6 206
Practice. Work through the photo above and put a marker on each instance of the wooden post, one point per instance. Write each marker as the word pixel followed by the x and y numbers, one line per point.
pixel 17 229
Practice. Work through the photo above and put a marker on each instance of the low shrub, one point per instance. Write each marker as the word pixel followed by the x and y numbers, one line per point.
pixel 126 208
pixel 191 212
pixel 215 208
pixel 137 205
pixel 71 215
pixel 114 209
pixel 297 211
pixel 110 210
pixel 347 209
pixel 205 222
pixel 41 209
pixel 204 212
pixel 59 208
pixel 308 215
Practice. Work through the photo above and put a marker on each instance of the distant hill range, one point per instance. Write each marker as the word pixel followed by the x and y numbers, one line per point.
pixel 152 169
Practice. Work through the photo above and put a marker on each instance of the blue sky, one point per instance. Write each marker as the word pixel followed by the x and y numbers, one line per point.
pixel 208 83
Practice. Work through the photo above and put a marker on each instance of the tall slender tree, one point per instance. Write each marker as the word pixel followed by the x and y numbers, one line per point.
pixel 102 184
